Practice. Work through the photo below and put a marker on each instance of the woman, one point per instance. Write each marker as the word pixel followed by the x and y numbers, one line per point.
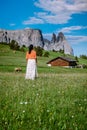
pixel 31 70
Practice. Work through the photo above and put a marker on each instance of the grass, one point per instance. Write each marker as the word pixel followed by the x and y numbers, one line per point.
pixel 56 100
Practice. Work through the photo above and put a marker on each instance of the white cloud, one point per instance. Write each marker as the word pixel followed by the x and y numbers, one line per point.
pixel 54 19
pixel 56 6
pixel 27 28
pixel 12 24
pixel 47 35
pixel 76 39
pixel 56 11
pixel 72 28
pixel 33 20
pixel 60 11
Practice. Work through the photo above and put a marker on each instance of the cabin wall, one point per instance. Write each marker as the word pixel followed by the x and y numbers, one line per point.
pixel 59 62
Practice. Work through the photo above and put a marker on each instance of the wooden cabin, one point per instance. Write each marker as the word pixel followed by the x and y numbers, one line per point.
pixel 62 61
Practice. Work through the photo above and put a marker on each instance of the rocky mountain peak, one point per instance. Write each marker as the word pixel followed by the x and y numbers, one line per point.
pixel 53 38
pixel 35 37
pixel 58 43
pixel 60 37
pixel 23 37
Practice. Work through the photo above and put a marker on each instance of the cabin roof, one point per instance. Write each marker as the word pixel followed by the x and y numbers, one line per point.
pixel 63 58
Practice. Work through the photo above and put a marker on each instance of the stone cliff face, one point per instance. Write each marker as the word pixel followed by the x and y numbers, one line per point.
pixel 23 37
pixel 59 43
pixel 32 36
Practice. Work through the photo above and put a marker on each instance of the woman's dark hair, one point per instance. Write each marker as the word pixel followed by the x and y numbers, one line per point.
pixel 30 48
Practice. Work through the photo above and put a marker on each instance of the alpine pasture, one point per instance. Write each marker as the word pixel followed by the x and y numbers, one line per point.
pixel 56 100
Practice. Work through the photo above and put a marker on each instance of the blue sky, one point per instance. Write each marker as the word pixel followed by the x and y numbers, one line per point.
pixel 51 16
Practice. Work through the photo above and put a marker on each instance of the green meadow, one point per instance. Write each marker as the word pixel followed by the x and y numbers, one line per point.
pixel 56 100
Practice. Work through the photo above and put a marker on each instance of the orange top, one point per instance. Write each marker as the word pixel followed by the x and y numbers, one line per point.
pixel 32 55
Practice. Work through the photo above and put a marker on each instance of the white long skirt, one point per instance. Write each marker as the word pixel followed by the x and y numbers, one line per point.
pixel 31 69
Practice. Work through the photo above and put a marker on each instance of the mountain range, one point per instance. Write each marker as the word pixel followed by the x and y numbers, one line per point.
pixel 35 37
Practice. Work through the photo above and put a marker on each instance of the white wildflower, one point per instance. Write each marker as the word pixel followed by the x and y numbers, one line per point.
pixel 37 94
pixel 47 110
pixel 33 85
pixel 85 100
pixel 25 103
pixel 21 102
pixel 58 91
pixel 72 116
